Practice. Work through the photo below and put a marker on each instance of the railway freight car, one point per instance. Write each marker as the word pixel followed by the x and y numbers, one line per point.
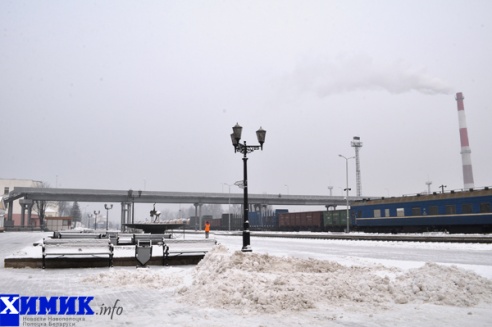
pixel 265 221
pixel 301 221
pixel 232 222
pixel 455 212
pixel 335 220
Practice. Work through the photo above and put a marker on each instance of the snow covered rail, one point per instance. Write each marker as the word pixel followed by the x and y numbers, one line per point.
pixel 187 247
pixel 379 237
pixel 77 247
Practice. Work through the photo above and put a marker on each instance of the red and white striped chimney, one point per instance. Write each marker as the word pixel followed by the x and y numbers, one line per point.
pixel 465 144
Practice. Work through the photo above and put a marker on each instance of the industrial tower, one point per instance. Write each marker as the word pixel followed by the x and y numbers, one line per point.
pixel 465 144
pixel 356 143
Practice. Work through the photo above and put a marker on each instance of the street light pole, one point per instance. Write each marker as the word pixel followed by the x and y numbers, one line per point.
pixel 107 207
pixel 89 217
pixel 245 149
pixel 95 218
pixel 347 189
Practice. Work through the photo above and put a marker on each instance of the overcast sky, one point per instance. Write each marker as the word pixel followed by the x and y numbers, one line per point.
pixel 143 94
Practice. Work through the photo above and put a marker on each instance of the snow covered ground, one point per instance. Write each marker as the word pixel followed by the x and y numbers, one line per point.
pixel 293 282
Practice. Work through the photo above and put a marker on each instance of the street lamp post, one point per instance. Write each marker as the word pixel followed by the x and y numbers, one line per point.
pixel 95 218
pixel 245 149
pixel 89 217
pixel 347 188
pixel 107 207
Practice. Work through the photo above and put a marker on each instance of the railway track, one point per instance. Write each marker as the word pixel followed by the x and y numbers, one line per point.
pixel 486 239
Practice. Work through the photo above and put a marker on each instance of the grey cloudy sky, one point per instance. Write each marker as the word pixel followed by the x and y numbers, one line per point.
pixel 143 94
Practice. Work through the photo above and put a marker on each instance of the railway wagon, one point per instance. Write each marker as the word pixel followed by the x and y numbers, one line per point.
pixel 301 221
pixel 265 221
pixel 335 220
pixel 236 222
pixel 215 223
pixel 454 212
pixel 255 220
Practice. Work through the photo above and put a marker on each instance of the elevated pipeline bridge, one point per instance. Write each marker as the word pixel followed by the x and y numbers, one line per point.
pixel 28 195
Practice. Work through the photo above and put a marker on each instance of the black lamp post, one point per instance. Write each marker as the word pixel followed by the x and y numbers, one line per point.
pixel 89 217
pixel 96 213
pixel 107 207
pixel 245 149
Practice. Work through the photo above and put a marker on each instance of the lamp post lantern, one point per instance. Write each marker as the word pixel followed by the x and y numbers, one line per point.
pixel 245 149
pixel 107 207
pixel 346 189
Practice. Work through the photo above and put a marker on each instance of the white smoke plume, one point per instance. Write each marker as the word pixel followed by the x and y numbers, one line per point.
pixel 347 74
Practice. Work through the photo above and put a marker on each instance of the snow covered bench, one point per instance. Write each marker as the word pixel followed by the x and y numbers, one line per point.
pixel 77 247
pixel 72 235
pixel 155 239
pixel 132 239
pixel 187 247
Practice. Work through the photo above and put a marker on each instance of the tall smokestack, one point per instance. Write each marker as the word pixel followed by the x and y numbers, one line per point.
pixel 465 144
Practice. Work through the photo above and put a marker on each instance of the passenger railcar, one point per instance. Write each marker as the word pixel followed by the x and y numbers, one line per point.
pixel 454 212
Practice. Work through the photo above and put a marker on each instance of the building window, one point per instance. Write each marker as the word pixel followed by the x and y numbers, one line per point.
pixel 400 212
pixel 485 207
pixel 467 208
pixel 433 210
pixel 450 209
pixel 416 211
pixel 6 191
pixel 377 213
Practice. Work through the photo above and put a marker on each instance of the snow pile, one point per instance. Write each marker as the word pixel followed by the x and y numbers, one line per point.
pixel 442 285
pixel 268 284
pixel 141 277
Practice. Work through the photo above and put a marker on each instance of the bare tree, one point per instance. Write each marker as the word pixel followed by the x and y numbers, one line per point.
pixel 63 208
pixel 41 206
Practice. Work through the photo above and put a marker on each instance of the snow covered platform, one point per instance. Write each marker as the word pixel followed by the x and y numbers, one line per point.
pixel 177 252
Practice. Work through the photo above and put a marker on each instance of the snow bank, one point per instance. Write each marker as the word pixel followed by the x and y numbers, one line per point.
pixel 263 283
